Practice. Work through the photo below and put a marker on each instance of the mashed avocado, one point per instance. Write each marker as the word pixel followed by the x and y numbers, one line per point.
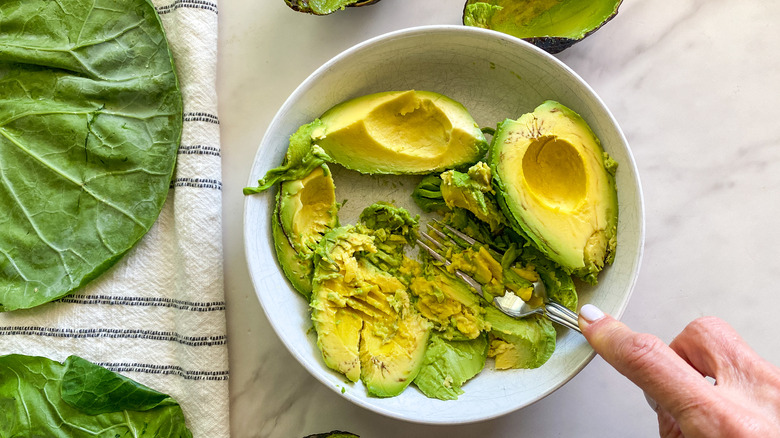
pixel 470 191
pixel 542 204
pixel 449 304
pixel 366 326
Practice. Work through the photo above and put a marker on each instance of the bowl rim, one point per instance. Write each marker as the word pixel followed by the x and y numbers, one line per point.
pixel 304 86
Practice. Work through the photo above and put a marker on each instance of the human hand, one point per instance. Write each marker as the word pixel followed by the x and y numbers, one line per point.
pixel 744 401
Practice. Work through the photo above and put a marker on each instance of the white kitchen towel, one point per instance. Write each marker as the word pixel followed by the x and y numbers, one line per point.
pixel 158 316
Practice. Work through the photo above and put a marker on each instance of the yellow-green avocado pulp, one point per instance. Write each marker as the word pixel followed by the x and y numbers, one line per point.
pixel 556 185
pixel 547 199
pixel 400 132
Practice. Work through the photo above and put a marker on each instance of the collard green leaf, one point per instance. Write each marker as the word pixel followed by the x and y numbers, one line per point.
pixel 42 397
pixel 96 390
pixel 90 119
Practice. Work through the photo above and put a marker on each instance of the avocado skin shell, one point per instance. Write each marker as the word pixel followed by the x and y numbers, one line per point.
pixel 333 434
pixel 553 45
pixel 302 5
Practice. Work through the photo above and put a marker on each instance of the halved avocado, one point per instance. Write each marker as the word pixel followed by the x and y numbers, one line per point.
pixel 366 326
pixel 400 132
pixel 556 185
pixel 552 25
pixel 324 7
pixel 305 210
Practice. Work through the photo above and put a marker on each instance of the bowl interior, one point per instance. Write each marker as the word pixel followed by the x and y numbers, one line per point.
pixel 496 77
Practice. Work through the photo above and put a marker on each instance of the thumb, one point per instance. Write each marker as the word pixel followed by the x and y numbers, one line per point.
pixel 645 360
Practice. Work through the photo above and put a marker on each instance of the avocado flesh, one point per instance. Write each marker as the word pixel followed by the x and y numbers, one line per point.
pixel 390 363
pixel 301 158
pixel 556 185
pixel 400 132
pixel 297 269
pixel 552 25
pixel 519 343
pixel 449 304
pixel 449 364
pixel 375 309
pixel 308 208
pixel 470 191
pixel 324 7
pixel 305 210
pixel 366 326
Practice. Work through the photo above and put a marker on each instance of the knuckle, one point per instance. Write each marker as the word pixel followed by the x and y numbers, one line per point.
pixel 706 324
pixel 692 407
pixel 642 352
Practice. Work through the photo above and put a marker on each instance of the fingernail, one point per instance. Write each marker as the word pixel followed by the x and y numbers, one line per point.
pixel 591 313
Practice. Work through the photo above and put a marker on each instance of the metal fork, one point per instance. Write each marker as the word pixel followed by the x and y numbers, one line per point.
pixel 509 303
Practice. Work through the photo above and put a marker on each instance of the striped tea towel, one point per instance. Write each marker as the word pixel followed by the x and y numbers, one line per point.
pixel 158 316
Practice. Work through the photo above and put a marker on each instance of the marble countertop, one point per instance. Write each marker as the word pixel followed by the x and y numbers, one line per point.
pixel 694 87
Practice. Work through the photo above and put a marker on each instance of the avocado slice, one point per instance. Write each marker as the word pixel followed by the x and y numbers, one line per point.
pixel 324 7
pixel 305 210
pixel 297 270
pixel 449 364
pixel 552 25
pixel 519 343
pixel 556 185
pixel 400 132
pixel 391 353
pixel 366 325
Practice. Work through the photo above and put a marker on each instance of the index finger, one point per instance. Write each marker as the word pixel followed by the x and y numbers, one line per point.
pixel 650 364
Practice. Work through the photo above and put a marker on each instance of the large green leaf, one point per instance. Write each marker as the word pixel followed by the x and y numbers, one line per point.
pixel 90 120
pixel 41 397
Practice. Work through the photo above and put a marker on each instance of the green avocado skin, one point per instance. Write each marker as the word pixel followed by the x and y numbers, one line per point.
pixel 333 434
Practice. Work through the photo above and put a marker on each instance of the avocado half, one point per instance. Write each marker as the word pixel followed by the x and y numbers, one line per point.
pixel 552 25
pixel 324 7
pixel 556 185
pixel 400 132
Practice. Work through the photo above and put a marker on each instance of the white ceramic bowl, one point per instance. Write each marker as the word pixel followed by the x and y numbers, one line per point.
pixel 496 77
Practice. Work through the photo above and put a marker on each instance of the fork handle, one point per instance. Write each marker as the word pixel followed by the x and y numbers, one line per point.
pixel 563 316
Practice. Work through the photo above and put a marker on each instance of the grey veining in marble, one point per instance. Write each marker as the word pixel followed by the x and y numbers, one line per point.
pixel 695 88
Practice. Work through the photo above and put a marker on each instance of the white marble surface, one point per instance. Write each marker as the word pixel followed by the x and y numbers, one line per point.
pixel 695 87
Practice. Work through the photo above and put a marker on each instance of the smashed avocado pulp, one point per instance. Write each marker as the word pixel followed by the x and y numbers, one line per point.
pixel 542 203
